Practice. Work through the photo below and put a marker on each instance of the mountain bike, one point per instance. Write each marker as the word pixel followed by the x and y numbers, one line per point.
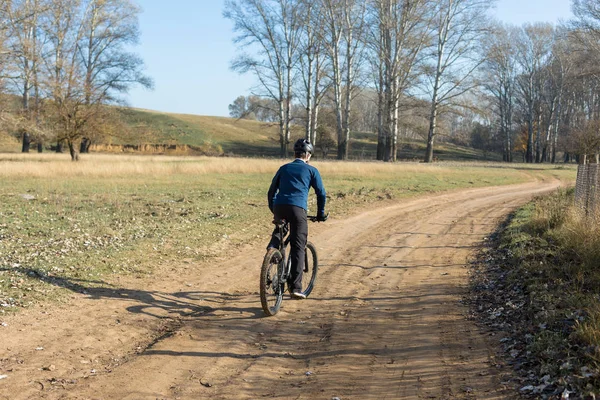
pixel 276 268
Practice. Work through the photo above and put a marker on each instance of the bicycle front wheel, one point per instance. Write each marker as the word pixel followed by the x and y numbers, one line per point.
pixel 311 267
pixel 271 282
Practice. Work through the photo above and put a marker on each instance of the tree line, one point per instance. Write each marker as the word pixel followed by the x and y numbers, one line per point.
pixel 530 89
pixel 67 59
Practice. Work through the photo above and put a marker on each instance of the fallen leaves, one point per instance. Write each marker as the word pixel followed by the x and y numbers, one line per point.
pixel 535 330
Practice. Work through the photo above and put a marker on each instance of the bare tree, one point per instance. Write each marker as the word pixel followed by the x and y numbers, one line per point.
pixel 557 77
pixel 458 27
pixel 274 28
pixel 239 108
pixel 87 64
pixel 108 28
pixel 344 24
pixel 22 18
pixel 59 82
pixel 399 35
pixel 312 65
pixel 587 17
pixel 500 80
pixel 534 44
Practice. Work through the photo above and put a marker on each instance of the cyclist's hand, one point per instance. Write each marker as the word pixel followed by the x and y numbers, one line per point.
pixel 322 217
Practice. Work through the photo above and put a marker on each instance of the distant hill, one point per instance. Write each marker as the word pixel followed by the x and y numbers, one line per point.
pixel 253 138
pixel 236 136
pixel 9 144
pixel 198 134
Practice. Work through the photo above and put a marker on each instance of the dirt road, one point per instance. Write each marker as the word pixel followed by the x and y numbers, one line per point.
pixel 385 321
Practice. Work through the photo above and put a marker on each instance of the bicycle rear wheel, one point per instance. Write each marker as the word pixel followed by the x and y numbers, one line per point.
pixel 311 267
pixel 271 284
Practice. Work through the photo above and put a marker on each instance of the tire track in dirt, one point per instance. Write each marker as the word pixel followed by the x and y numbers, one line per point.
pixel 384 321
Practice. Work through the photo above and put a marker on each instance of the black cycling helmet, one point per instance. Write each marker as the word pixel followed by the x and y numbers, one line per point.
pixel 303 146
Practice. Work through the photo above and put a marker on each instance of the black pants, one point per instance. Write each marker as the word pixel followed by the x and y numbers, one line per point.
pixel 296 216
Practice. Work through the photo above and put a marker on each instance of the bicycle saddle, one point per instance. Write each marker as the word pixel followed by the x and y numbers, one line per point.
pixel 280 223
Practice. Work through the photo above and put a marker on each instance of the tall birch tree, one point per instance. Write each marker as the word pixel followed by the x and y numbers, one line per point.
pixel 533 46
pixel 312 65
pixel 344 26
pixel 500 80
pixel 399 35
pixel 458 28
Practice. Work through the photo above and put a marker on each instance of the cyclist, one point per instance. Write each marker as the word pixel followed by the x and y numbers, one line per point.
pixel 288 199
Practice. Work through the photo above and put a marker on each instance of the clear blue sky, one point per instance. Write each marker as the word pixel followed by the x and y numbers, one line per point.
pixel 187 47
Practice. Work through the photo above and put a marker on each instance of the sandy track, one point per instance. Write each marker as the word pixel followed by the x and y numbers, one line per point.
pixel 384 322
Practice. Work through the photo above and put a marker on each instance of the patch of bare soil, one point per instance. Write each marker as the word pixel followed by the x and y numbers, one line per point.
pixel 385 321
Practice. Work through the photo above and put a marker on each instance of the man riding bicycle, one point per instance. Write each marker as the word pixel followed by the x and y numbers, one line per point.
pixel 288 200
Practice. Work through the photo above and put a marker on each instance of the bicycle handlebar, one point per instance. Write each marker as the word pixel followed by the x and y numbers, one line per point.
pixel 314 218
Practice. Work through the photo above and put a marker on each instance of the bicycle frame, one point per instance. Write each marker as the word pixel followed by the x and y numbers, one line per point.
pixel 285 263
pixel 284 234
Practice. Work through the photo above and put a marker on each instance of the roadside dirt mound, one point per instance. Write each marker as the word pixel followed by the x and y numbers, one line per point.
pixel 385 321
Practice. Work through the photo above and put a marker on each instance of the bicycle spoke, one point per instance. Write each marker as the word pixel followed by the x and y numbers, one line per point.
pixel 270 286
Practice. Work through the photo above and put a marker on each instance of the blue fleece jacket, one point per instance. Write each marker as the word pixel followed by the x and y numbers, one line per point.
pixel 292 183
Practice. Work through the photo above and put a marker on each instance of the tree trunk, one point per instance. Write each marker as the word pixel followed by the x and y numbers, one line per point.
pixel 509 123
pixel 314 121
pixel 309 100
pixel 509 149
pixel 40 146
pixel 343 149
pixel 60 147
pixel 309 124
pixel 538 139
pixel 395 136
pixel 339 131
pixel 548 143
pixel 434 112
pixel 380 137
pixel 530 106
pixel 529 153
pixel 73 151
pixel 26 142
pixel 338 117
pixel 395 105
pixel 316 101
pixel 544 153
pixel 431 134
pixel 389 128
pixel 555 142
pixel 85 145
pixel 288 105
pixel 381 142
pixel 282 142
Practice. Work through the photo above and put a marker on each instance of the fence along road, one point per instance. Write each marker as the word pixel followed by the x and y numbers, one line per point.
pixel 587 195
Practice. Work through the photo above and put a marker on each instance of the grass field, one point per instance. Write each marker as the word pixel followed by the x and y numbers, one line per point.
pixel 63 223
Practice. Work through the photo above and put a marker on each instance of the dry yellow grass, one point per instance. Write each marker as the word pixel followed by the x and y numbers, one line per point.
pixel 107 165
